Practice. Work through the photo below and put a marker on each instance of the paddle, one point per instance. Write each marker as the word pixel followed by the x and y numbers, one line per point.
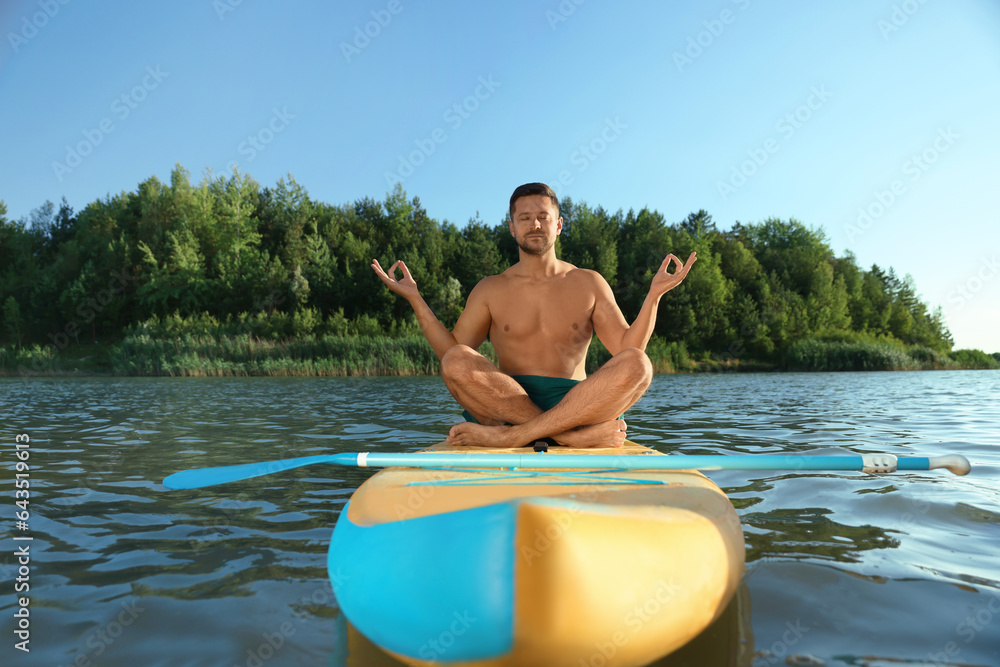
pixel 878 463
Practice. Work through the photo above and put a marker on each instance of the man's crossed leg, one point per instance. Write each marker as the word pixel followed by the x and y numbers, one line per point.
pixel 587 416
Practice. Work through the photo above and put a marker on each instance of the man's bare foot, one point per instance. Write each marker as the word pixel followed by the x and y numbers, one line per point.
pixel 470 434
pixel 604 434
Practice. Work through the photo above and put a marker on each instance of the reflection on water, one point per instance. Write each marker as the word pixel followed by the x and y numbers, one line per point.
pixel 846 568
pixel 812 534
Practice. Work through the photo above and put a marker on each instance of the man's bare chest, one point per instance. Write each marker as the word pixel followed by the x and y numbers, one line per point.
pixel 547 310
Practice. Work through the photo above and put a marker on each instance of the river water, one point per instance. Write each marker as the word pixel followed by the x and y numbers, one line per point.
pixel 842 568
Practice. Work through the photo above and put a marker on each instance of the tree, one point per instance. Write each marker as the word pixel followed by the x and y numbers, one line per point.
pixel 789 250
pixel 13 323
pixel 287 219
pixel 699 224
pixel 826 302
pixel 873 308
pixel 589 240
pixel 472 254
pixel 643 241
pixel 233 226
pixel 177 282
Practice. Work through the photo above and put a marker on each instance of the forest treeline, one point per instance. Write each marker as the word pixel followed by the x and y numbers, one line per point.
pixel 232 277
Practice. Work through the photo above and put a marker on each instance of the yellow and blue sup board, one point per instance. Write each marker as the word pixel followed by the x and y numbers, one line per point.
pixel 509 567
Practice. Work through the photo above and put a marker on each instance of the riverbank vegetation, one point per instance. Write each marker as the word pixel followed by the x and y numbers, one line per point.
pixel 227 277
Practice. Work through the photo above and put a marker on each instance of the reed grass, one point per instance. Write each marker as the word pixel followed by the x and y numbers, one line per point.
pixel 876 354
pixel 196 347
pixel 194 355
pixel 243 354
pixel 31 360
pixel 666 357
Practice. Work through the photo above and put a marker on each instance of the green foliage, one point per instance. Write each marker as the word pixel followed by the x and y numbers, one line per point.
pixel 668 357
pixel 816 355
pixel 974 359
pixel 227 260
pixel 30 360
pixel 13 323
pixel 589 239
pixel 849 351
pixel 245 355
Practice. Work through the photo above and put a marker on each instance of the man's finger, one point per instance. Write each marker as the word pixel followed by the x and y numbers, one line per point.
pixel 692 258
pixel 666 261
pixel 392 269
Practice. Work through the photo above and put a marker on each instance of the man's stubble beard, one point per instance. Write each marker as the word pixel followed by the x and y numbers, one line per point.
pixel 538 251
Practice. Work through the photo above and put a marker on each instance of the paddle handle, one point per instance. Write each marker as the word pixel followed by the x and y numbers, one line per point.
pixel 955 463
pixel 879 463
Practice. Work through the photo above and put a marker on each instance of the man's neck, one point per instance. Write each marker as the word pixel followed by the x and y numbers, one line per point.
pixel 538 266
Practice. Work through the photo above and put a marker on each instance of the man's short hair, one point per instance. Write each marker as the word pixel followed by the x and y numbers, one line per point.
pixel 529 189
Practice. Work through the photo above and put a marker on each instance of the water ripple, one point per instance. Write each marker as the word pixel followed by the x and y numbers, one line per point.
pixel 871 568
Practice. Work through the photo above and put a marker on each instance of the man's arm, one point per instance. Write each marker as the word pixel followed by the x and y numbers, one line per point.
pixel 470 329
pixel 609 323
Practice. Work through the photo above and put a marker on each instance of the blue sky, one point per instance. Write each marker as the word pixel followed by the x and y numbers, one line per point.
pixel 814 111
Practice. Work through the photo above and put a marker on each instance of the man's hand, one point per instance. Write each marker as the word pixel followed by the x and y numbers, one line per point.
pixel 664 281
pixel 406 288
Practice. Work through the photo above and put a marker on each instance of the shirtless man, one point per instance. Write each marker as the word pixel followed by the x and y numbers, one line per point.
pixel 540 315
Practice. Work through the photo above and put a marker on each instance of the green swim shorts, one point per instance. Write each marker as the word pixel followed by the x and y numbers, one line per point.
pixel 545 392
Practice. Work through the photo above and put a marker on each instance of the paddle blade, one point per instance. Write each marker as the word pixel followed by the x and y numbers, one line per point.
pixel 202 477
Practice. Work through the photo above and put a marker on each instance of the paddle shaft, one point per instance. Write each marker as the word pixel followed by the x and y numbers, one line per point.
pixel 193 479
pixel 635 462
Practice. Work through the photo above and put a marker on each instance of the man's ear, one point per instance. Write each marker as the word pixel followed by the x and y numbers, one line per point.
pixel 559 226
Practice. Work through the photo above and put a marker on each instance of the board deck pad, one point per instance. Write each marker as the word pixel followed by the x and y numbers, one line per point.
pixel 394 494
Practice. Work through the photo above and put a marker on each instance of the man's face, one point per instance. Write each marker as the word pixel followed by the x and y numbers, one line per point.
pixel 535 224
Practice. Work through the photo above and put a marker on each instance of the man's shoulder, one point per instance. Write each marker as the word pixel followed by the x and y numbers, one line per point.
pixel 487 286
pixel 499 280
pixel 490 282
pixel 577 272
pixel 585 275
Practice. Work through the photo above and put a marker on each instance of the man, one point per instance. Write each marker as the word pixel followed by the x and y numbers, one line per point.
pixel 540 315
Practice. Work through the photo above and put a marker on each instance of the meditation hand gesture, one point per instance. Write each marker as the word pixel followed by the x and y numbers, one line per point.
pixel 664 281
pixel 406 287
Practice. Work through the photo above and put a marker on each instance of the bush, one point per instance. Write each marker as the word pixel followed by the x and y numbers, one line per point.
pixel 304 322
pixel 247 355
pixel 17 360
pixel 668 357
pixel 816 355
pixel 974 359
pixel 929 359
pixel 275 326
